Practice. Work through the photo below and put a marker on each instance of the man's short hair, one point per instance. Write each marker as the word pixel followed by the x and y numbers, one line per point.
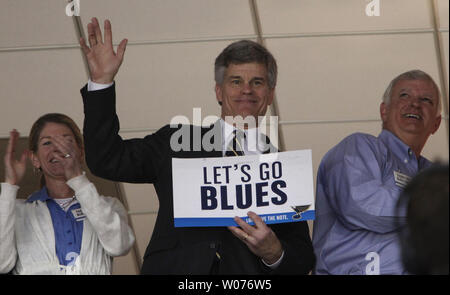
pixel 245 51
pixel 411 75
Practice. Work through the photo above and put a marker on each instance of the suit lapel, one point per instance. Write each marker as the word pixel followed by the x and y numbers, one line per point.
pixel 212 140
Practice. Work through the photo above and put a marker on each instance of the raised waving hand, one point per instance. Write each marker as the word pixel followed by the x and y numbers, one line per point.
pixel 103 62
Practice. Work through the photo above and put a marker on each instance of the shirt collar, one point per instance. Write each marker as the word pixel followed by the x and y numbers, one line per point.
pixel 255 140
pixel 227 132
pixel 40 195
pixel 391 140
pixel 401 149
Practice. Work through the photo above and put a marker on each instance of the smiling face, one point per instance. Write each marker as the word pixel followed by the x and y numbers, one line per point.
pixel 244 91
pixel 44 156
pixel 412 114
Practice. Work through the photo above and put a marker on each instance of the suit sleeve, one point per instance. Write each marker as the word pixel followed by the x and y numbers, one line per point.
pixel 298 251
pixel 107 154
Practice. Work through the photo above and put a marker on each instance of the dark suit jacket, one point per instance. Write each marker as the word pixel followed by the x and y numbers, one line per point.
pixel 177 250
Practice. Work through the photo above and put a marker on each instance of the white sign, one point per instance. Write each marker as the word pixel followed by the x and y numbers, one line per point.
pixel 212 191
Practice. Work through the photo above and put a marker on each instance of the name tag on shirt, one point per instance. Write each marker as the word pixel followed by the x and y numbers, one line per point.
pixel 78 214
pixel 401 179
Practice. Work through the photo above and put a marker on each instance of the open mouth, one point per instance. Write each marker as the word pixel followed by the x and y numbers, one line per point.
pixel 412 116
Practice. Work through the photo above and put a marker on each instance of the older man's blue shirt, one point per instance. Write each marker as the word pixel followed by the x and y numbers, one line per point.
pixel 357 219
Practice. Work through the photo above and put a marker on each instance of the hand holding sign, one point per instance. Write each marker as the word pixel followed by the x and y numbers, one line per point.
pixel 260 239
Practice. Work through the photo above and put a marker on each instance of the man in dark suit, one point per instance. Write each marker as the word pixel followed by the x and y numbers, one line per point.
pixel 245 74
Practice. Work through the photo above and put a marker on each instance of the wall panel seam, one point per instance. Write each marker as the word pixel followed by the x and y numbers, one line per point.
pixel 227 38
pixel 130 43
pixel 274 108
pixel 281 123
pixel 439 46
pixel 348 33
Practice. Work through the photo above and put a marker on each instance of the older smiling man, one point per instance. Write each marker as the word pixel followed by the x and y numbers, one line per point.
pixel 360 179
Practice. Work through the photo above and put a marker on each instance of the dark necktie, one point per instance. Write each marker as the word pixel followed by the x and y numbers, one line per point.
pixel 235 147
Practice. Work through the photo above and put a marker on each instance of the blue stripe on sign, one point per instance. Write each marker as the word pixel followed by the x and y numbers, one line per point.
pixel 268 219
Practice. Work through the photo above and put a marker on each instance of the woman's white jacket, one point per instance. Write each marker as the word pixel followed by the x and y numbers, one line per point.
pixel 27 239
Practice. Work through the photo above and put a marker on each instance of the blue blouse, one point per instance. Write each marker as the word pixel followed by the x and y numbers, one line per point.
pixel 67 226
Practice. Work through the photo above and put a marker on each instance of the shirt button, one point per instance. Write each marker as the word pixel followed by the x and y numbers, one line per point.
pixel 405 161
pixel 70 243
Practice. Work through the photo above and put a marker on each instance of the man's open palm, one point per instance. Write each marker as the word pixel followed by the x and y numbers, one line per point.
pixel 103 62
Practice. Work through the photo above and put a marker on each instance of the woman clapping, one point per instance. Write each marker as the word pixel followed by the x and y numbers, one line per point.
pixel 66 227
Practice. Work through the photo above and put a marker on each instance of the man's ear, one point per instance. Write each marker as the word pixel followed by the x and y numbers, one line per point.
pixel 437 123
pixel 271 96
pixel 383 112
pixel 218 90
